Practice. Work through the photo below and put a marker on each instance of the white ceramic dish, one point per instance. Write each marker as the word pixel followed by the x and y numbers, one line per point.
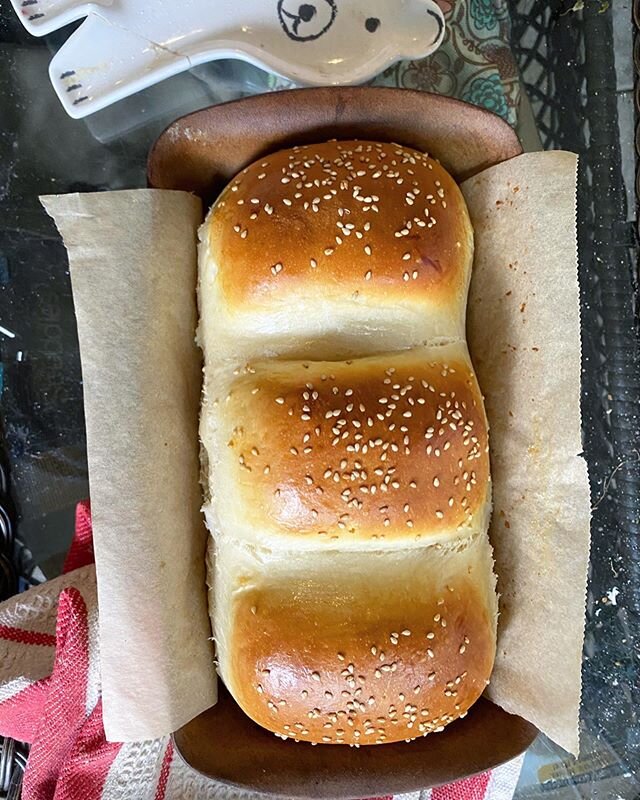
pixel 126 45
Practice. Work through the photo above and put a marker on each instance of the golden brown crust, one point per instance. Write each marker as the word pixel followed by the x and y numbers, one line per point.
pixel 354 597
pixel 340 218
pixel 365 655
pixel 388 447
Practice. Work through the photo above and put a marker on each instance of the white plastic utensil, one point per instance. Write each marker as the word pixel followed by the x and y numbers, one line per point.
pixel 126 45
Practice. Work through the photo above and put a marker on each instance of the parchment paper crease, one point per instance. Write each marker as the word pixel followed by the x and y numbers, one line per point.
pixel 133 267
pixel 132 258
pixel 524 334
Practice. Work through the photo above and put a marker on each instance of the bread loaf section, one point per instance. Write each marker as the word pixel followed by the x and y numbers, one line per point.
pixel 338 248
pixel 345 446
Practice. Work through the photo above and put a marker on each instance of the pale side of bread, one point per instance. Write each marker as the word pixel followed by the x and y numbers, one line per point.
pixel 345 446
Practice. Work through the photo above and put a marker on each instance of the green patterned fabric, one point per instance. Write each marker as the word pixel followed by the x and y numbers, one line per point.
pixel 474 63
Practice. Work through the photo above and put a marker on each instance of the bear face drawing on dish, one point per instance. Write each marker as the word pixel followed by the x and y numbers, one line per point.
pixel 304 22
pixel 131 44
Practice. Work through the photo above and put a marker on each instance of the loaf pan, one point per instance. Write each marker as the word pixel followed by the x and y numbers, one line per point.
pixel 200 153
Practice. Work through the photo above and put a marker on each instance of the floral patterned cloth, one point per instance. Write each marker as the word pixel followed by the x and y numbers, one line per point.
pixel 474 62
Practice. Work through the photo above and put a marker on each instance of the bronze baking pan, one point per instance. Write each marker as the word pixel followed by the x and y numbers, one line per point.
pixel 200 153
pixel 226 745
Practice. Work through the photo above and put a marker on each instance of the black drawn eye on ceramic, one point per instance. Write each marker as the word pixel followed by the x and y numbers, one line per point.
pixel 372 24
pixel 304 22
